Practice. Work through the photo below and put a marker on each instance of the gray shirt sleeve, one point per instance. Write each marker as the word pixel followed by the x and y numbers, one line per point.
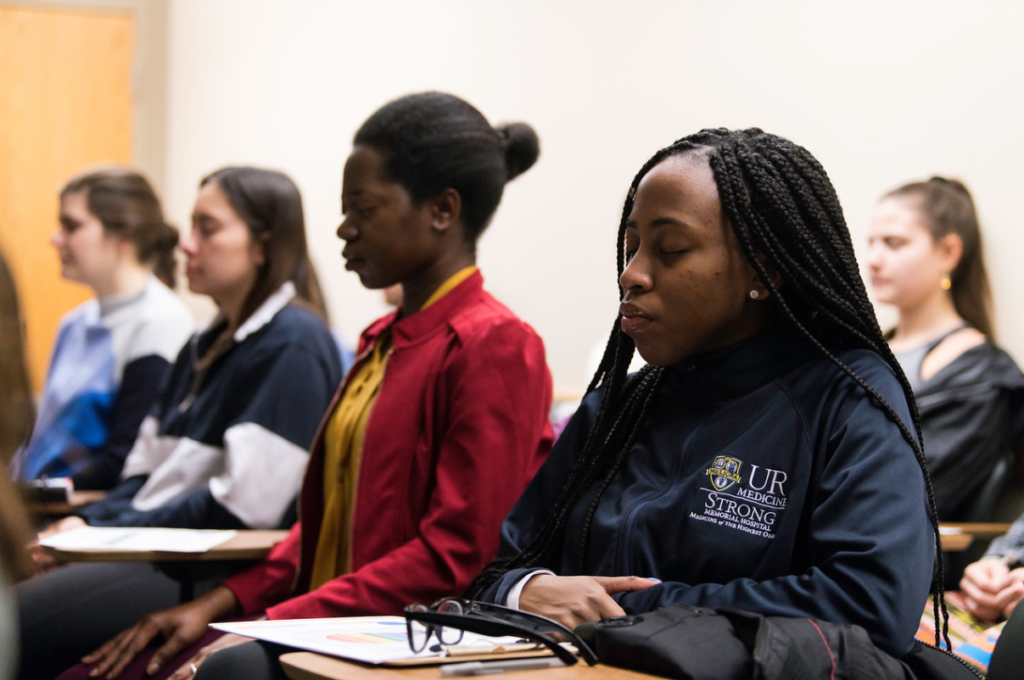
pixel 1010 543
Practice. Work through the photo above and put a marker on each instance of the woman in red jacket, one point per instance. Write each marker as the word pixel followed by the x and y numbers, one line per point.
pixel 413 470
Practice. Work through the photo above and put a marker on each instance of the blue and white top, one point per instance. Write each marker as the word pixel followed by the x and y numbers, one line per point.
pixel 226 443
pixel 107 364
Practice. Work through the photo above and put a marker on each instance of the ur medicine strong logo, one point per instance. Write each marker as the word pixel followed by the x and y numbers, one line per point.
pixel 752 505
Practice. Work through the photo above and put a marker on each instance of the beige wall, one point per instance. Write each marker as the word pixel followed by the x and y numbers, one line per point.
pixel 880 92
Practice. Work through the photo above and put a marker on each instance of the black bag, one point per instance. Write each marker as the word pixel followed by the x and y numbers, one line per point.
pixel 695 643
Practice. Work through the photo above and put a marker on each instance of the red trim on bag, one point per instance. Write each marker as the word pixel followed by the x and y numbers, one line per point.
pixel 832 675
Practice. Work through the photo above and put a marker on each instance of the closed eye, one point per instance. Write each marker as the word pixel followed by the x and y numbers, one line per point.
pixel 204 226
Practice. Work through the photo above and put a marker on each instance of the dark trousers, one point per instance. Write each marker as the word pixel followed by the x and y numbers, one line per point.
pixel 66 613
pixel 251 661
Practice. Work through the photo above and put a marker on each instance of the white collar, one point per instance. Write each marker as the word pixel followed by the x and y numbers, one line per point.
pixel 258 319
pixel 265 312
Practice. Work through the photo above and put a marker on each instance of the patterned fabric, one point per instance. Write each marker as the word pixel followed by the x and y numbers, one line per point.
pixel 978 650
pixel 962 626
pixel 972 640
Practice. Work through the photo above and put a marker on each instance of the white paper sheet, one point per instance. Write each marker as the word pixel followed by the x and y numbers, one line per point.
pixel 370 639
pixel 138 539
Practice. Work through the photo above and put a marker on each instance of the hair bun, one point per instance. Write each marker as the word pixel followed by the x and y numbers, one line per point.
pixel 522 147
pixel 167 237
pixel 156 248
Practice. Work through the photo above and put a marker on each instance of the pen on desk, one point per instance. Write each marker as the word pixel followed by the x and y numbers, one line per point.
pixel 471 650
pixel 495 667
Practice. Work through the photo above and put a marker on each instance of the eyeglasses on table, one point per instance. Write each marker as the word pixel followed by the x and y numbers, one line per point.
pixel 447 619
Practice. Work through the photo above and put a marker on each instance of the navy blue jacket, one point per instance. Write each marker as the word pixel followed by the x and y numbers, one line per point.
pixel 227 449
pixel 763 479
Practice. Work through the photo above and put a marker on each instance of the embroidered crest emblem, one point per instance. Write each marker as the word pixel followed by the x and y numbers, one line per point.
pixel 724 472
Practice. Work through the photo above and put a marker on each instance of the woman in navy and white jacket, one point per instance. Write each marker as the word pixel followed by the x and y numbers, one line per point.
pixel 226 444
pixel 766 458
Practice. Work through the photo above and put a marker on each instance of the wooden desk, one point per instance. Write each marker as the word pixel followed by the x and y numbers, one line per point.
pixel 979 529
pixel 561 396
pixel 969 531
pixel 310 666
pixel 78 499
pixel 247 545
pixel 956 542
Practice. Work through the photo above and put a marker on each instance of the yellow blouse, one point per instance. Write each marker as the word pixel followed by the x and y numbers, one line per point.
pixel 343 448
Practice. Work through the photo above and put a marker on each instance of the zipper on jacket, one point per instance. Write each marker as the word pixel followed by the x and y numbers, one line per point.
pixel 963 663
pixel 622 559
pixel 627 534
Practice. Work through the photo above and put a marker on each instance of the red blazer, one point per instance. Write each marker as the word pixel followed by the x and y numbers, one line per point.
pixel 458 429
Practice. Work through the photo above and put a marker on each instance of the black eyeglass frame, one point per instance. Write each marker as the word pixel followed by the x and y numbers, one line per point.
pixel 430 628
pixel 494 620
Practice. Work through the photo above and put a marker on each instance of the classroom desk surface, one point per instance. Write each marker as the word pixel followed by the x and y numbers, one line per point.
pixel 310 666
pixel 979 529
pixel 956 542
pixel 247 545
pixel 77 500
pixel 968 533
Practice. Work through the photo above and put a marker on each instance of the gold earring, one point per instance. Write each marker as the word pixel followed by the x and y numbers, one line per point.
pixel 946 283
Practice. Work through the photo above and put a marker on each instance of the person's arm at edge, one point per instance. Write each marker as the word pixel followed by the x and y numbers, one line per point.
pixel 1010 543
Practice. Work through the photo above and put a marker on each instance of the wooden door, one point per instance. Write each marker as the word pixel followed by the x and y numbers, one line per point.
pixel 65 104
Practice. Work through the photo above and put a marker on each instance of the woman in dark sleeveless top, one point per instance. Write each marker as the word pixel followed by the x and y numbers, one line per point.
pixel 925 258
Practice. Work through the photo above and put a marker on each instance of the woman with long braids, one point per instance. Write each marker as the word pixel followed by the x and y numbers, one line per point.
pixel 768 457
